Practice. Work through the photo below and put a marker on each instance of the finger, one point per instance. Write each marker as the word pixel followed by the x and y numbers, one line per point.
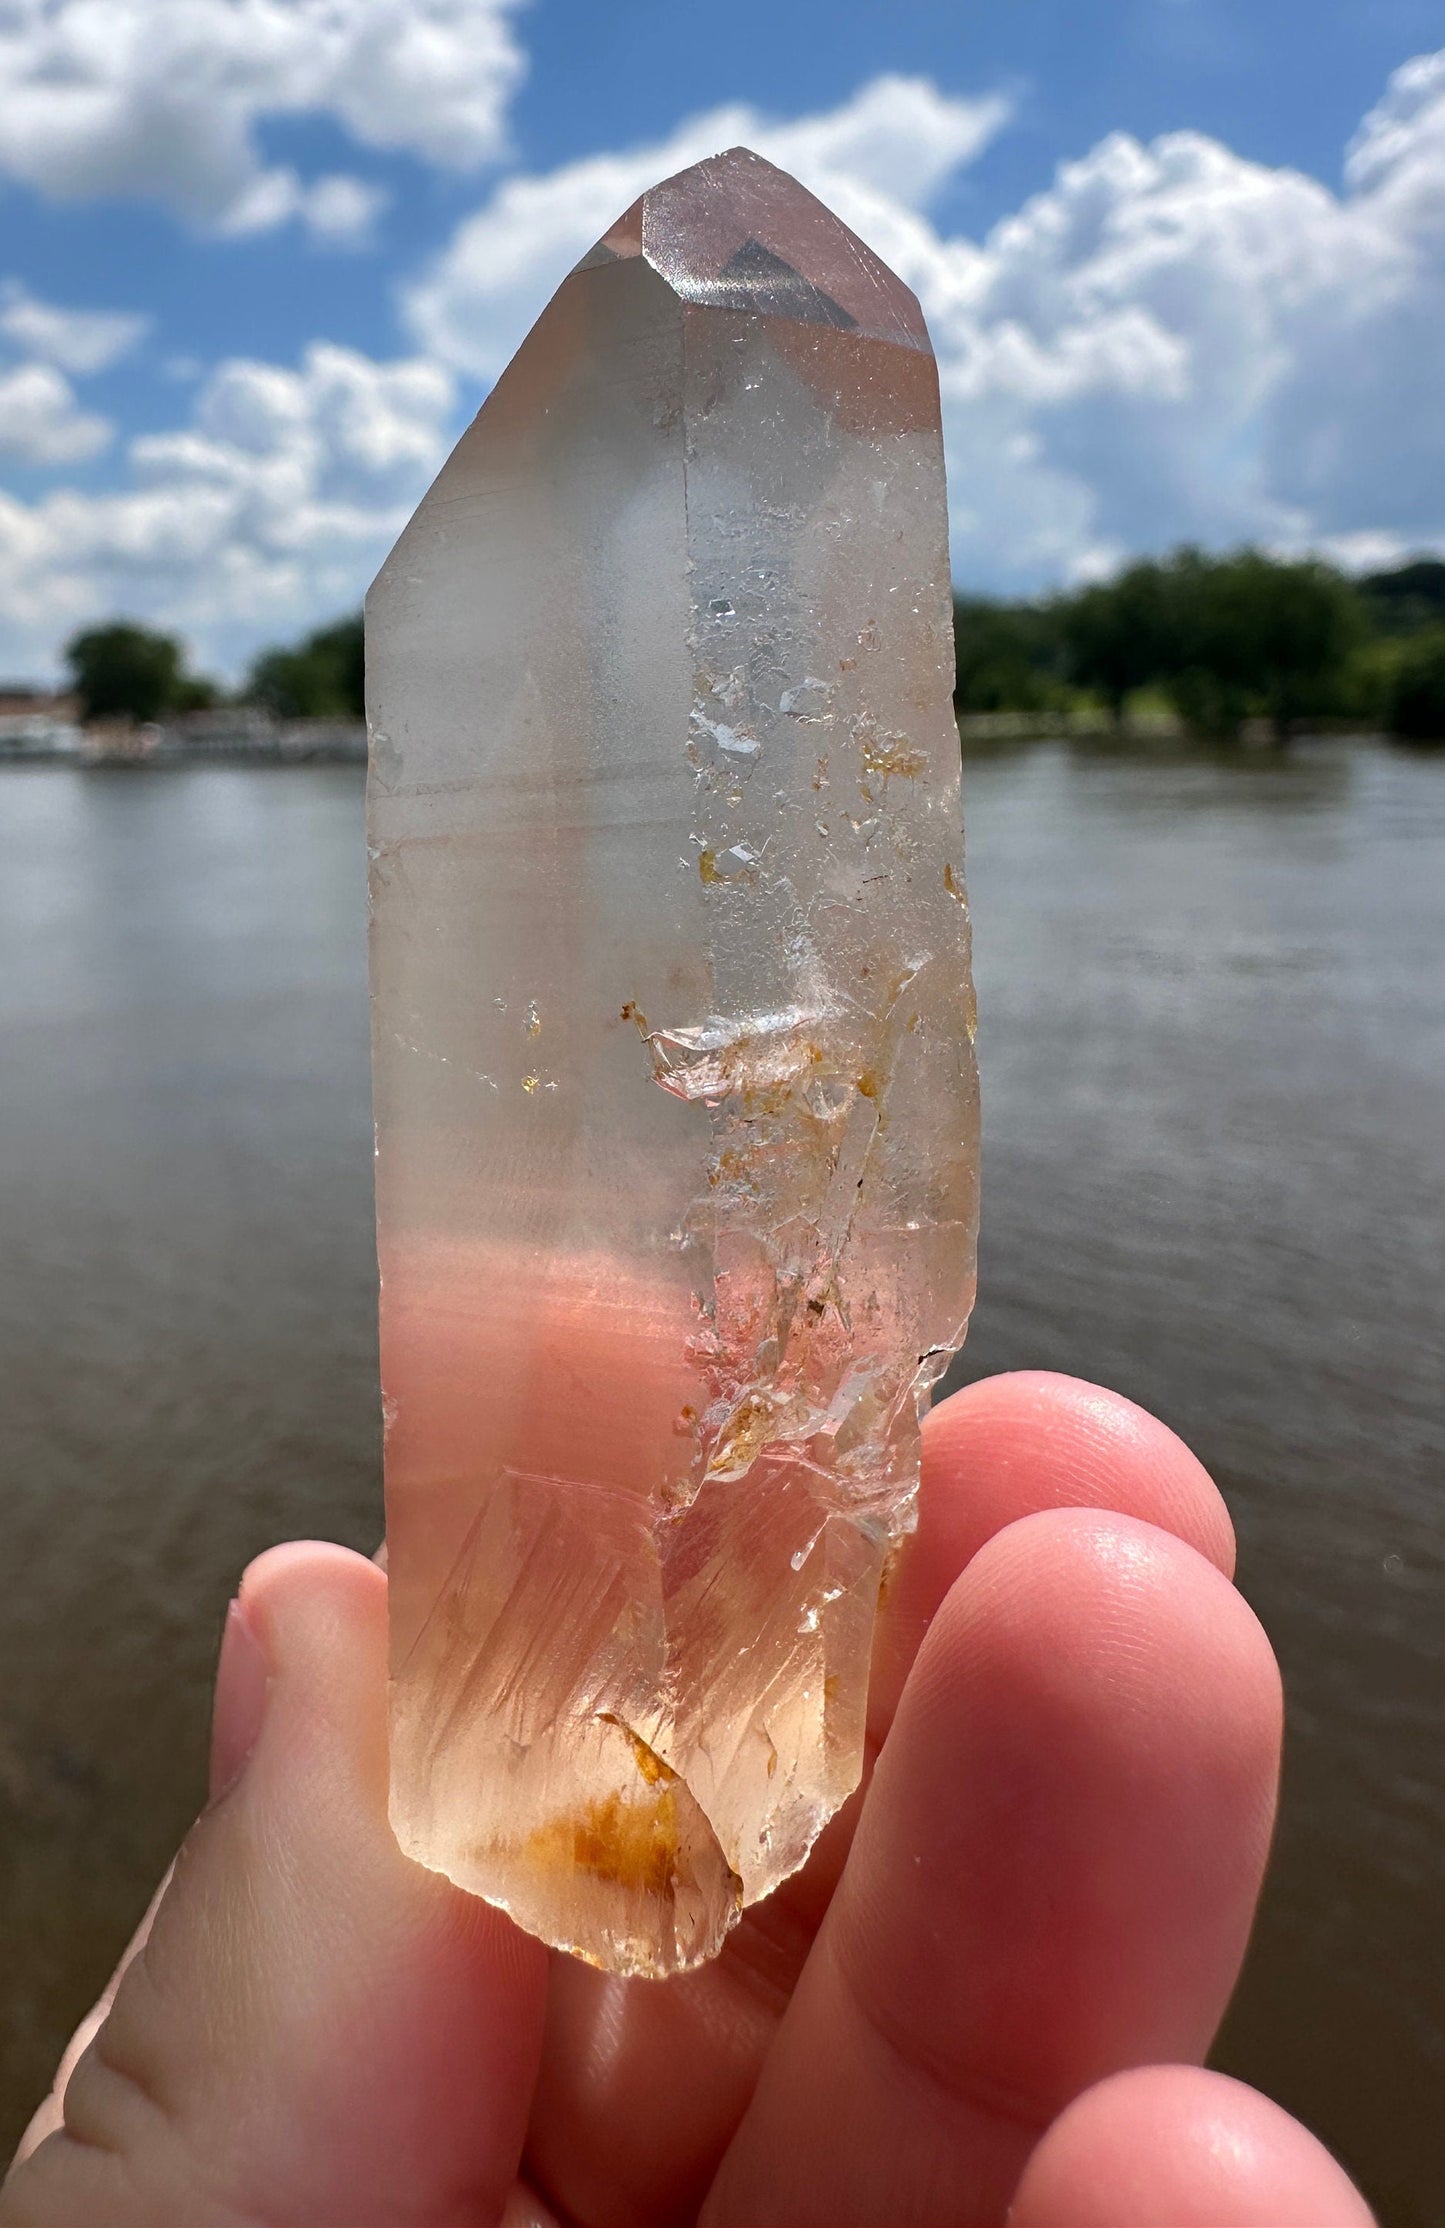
pixel 1174 2147
pixel 992 1453
pixel 316 2033
pixel 1010 1446
pixel 1053 1879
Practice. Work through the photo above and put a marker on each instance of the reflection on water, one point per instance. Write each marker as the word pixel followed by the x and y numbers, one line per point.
pixel 1213 1047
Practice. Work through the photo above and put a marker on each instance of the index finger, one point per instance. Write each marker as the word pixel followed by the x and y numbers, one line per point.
pixel 1012 1446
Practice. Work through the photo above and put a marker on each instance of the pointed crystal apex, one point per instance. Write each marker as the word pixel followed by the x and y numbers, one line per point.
pixel 735 232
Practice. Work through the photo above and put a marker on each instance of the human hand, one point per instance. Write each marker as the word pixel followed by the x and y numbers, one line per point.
pixel 1005 1958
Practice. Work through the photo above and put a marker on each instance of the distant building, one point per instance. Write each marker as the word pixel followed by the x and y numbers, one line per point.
pixel 37 723
pixel 247 731
pixel 222 731
pixel 18 700
pixel 118 742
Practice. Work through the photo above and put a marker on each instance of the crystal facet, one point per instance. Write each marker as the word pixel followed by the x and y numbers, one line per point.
pixel 675 1099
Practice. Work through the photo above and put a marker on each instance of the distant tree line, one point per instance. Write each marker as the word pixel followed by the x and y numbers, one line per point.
pixel 323 677
pixel 123 671
pixel 1220 640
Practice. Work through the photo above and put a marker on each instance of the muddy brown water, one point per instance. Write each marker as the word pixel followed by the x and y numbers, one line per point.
pixel 1213 1047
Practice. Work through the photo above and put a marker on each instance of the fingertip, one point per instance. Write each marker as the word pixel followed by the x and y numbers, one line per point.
pixel 1101 1578
pixel 1089 1619
pixel 1178 2147
pixel 1011 1447
pixel 311 1580
pixel 1033 1439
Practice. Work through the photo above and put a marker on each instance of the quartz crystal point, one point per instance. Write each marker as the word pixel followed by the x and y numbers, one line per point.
pixel 675 1096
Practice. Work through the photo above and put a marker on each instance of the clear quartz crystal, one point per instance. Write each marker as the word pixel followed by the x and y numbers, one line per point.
pixel 675 1095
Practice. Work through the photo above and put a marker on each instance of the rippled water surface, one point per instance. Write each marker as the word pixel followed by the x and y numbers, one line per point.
pixel 1213 1047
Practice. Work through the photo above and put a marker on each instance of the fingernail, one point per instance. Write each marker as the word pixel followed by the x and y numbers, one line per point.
pixel 242 1676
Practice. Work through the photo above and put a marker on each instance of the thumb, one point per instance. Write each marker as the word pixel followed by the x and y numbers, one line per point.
pixel 313 2031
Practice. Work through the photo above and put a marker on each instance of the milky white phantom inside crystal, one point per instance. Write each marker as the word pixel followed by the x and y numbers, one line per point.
pixel 675 1095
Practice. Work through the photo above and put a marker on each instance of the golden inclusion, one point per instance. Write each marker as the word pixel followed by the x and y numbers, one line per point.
pixel 675 1097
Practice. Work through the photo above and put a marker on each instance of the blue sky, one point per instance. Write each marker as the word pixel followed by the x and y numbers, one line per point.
pixel 1184 263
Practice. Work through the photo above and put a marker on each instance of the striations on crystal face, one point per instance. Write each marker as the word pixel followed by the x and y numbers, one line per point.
pixel 675 1097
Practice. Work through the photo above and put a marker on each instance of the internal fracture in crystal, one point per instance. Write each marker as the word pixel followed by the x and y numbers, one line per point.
pixel 675 1097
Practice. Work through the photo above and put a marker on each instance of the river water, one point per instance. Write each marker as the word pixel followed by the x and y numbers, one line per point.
pixel 1213 1048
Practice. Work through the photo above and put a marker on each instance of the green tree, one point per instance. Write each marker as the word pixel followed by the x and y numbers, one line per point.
pixel 1225 637
pixel 322 677
pixel 1415 708
pixel 123 671
pixel 1116 633
pixel 1407 600
pixel 1254 635
pixel 1010 656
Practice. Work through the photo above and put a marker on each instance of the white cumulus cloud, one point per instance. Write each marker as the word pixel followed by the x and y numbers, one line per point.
pixel 1174 343
pixel 267 511
pixel 161 99
pixel 78 340
pixel 337 210
pixel 41 422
